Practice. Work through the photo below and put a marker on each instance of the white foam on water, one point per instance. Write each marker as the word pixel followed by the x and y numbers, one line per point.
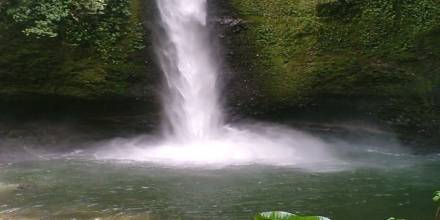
pixel 239 145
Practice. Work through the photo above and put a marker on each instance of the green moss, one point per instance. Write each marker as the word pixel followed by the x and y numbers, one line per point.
pixel 385 49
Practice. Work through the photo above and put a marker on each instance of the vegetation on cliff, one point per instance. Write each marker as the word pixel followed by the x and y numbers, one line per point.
pixel 87 48
pixel 381 56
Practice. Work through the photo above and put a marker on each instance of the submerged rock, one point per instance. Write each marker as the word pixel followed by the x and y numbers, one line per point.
pixel 5 188
pixel 25 186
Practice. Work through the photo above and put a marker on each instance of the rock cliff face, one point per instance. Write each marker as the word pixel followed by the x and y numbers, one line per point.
pixel 379 59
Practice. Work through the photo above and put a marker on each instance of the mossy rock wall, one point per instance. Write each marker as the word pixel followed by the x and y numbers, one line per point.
pixel 380 58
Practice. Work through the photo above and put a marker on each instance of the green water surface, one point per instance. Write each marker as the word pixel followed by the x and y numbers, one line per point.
pixel 66 188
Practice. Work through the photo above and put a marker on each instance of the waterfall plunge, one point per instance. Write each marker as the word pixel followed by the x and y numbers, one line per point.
pixel 195 133
pixel 191 102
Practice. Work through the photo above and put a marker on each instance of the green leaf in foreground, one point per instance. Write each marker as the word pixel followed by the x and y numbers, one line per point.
pixel 285 216
pixel 436 198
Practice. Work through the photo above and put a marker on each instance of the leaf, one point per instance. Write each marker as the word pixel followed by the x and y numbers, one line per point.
pixel 279 215
pixel 436 197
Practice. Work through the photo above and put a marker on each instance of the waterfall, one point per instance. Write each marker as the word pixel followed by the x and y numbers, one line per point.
pixel 191 96
pixel 195 132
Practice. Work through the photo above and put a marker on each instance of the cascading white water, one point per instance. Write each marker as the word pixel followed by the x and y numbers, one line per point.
pixel 195 131
pixel 191 99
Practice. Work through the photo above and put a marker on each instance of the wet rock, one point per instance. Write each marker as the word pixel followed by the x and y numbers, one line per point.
pixel 229 21
pixel 236 24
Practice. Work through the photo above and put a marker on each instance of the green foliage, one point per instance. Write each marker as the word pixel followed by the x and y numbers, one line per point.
pixel 392 218
pixel 92 23
pixel 45 18
pixel 81 48
pixel 285 216
pixel 436 198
